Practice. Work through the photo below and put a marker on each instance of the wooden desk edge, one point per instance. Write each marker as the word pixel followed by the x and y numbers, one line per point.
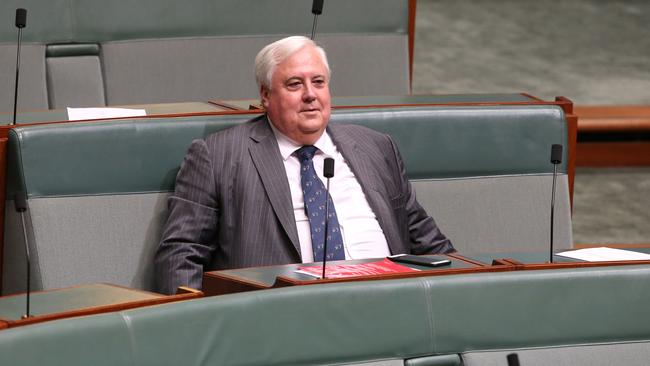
pixel 217 283
pixel 195 294
pixel 283 281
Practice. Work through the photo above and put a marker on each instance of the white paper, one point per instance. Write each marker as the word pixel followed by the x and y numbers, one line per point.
pixel 603 254
pixel 76 114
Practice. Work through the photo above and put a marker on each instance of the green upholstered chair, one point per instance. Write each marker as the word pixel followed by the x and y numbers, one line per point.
pixel 97 190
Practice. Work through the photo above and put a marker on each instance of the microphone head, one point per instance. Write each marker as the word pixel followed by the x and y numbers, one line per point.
pixel 317 7
pixel 21 18
pixel 20 201
pixel 328 168
pixel 513 359
pixel 556 154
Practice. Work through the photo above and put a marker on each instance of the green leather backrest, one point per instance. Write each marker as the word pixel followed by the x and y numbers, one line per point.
pixel 354 322
pixel 143 155
pixel 92 53
pixel 96 21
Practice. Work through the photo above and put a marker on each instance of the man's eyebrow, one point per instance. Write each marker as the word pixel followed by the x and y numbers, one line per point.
pixel 300 78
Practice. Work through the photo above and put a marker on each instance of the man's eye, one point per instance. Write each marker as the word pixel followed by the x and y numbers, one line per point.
pixel 293 85
pixel 319 82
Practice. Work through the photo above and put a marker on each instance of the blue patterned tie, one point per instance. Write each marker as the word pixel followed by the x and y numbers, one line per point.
pixel 313 192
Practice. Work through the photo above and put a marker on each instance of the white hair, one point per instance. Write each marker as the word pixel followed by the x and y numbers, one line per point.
pixel 273 54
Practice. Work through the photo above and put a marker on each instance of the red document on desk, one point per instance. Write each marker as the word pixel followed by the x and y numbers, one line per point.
pixel 356 270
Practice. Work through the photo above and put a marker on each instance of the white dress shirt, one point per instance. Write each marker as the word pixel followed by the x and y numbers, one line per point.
pixel 362 235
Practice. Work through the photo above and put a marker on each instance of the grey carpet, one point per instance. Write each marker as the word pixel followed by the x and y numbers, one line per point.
pixel 612 205
pixel 592 51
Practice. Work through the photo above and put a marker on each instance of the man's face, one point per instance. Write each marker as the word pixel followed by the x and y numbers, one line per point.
pixel 298 103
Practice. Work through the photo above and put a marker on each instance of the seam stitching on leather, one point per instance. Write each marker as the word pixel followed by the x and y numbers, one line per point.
pixel 431 320
pixel 129 329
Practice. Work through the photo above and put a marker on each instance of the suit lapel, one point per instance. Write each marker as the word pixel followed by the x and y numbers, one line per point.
pixel 362 167
pixel 266 158
pixel 358 159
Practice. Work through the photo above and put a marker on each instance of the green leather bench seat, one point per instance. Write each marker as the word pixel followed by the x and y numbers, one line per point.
pixel 426 321
pixel 98 190
pixel 195 50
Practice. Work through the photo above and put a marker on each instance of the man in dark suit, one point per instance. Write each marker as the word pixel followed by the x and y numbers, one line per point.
pixel 252 195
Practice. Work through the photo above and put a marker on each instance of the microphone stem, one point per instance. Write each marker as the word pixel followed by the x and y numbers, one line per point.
pixel 27 256
pixel 313 27
pixel 20 33
pixel 552 211
pixel 327 219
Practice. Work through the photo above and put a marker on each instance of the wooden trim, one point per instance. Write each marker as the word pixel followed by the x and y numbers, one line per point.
pixel 465 259
pixel 614 124
pixel 187 290
pixel 162 299
pixel 5 129
pixel 564 265
pixel 532 97
pixel 411 36
pixel 566 103
pixel 517 265
pixel 572 121
pixel 500 262
pixel 614 118
pixel 613 154
pixel 3 197
pixel 572 124
pixel 616 111
pixel 222 104
pixel 219 283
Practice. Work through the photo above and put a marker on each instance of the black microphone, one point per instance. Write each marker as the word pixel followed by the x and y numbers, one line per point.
pixel 21 21
pixel 316 9
pixel 328 172
pixel 513 359
pixel 328 168
pixel 556 158
pixel 21 18
pixel 20 201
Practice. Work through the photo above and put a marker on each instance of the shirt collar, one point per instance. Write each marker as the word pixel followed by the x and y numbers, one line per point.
pixel 287 146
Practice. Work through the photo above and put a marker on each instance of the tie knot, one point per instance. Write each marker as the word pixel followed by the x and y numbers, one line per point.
pixel 306 153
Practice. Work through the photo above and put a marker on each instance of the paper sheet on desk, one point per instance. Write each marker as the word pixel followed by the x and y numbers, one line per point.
pixel 76 114
pixel 603 254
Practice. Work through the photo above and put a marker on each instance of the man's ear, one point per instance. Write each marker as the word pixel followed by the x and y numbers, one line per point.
pixel 264 95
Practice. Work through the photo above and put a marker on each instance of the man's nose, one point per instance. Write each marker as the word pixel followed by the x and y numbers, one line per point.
pixel 308 93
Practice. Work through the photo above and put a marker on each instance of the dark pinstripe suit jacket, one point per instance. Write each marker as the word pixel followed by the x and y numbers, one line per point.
pixel 232 204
